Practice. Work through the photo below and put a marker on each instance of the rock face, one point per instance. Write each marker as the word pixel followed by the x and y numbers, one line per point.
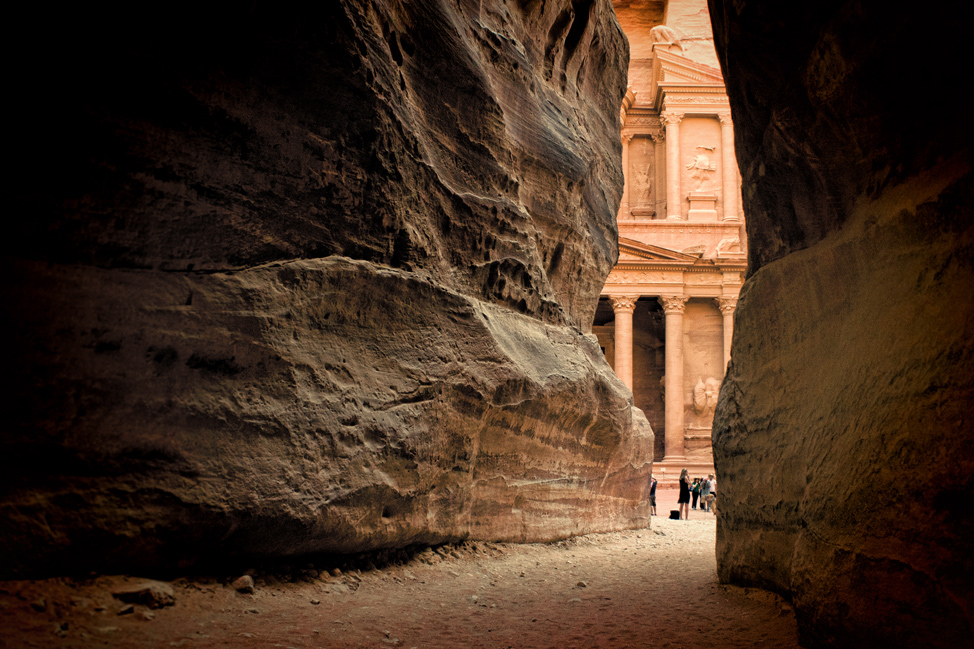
pixel 314 280
pixel 843 431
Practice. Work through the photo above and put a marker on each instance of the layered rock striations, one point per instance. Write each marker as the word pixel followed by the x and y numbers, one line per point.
pixel 842 435
pixel 314 279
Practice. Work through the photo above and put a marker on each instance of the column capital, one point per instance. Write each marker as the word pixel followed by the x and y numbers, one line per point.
pixel 673 303
pixel 627 137
pixel 670 119
pixel 727 305
pixel 623 303
pixel 725 118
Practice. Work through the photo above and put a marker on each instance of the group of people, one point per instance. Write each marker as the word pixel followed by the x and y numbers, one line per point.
pixel 702 490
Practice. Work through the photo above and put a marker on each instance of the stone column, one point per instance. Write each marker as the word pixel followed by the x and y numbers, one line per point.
pixel 624 206
pixel 659 174
pixel 673 198
pixel 623 307
pixel 728 164
pixel 673 428
pixel 727 305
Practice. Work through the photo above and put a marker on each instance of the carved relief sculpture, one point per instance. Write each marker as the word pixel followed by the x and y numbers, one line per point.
pixel 703 169
pixel 700 397
pixel 664 34
pixel 705 396
pixel 731 245
pixel 645 184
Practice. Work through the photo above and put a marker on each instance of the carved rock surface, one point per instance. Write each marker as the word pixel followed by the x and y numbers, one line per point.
pixel 843 432
pixel 315 279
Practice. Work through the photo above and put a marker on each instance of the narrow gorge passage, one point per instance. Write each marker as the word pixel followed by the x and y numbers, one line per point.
pixel 643 588
pixel 291 279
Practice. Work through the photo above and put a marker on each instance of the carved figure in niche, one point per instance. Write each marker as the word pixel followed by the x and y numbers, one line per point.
pixel 705 395
pixel 662 388
pixel 702 168
pixel 713 391
pixel 699 397
pixel 644 186
pixel 664 34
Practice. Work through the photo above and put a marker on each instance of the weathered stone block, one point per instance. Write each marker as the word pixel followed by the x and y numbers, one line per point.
pixel 842 435
pixel 315 278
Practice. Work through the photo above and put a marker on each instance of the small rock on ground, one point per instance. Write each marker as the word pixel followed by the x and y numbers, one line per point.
pixel 243 584
pixel 154 594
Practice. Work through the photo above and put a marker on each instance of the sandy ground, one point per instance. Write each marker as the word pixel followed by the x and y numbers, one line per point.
pixel 644 588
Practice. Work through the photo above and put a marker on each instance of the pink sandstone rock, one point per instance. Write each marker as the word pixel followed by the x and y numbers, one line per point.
pixel 315 279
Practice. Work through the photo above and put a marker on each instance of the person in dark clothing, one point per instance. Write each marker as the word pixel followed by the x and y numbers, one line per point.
pixel 652 496
pixel 684 500
pixel 695 492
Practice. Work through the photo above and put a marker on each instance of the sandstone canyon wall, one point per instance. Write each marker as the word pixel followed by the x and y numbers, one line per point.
pixel 292 278
pixel 843 431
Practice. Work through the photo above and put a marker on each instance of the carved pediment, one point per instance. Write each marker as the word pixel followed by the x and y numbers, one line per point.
pixel 672 68
pixel 632 250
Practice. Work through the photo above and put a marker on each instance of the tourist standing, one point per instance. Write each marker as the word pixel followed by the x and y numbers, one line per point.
pixel 695 493
pixel 684 500
pixel 652 496
pixel 705 495
pixel 712 495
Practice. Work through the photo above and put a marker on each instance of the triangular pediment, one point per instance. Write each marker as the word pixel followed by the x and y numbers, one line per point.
pixel 673 68
pixel 632 250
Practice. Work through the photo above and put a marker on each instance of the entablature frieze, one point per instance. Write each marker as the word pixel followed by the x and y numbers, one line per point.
pixel 713 283
pixel 706 292
pixel 690 99
pixel 653 132
pixel 641 118
pixel 718 267
pixel 625 277
pixel 689 227
pixel 678 105
pixel 687 293
pixel 696 106
pixel 670 88
pixel 701 279
pixel 651 290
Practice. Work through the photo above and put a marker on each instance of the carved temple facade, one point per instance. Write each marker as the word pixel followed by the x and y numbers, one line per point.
pixel 665 319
